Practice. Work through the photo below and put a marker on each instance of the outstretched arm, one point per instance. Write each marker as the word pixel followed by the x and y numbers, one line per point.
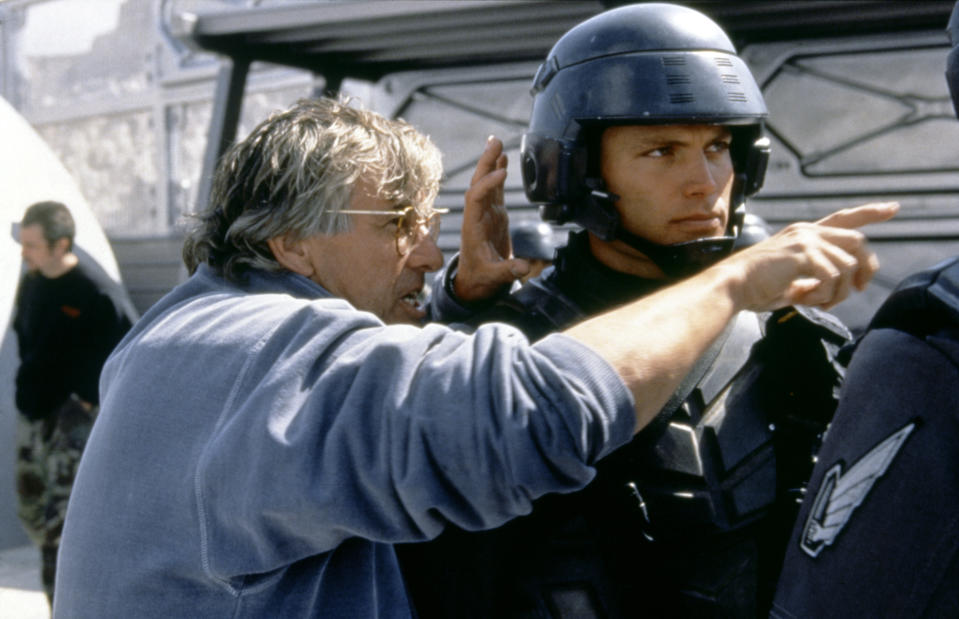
pixel 652 343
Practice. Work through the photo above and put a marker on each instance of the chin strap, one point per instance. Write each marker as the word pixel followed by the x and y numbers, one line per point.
pixel 681 259
pixel 677 260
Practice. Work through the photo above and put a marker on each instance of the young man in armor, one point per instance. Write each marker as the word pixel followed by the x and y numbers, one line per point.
pixel 646 130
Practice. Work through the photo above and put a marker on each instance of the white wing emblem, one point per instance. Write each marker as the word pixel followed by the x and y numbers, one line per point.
pixel 840 494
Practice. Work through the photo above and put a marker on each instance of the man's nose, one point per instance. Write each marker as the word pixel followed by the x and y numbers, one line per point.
pixel 426 255
pixel 701 177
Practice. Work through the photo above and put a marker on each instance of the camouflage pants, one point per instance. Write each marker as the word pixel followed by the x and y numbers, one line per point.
pixel 48 452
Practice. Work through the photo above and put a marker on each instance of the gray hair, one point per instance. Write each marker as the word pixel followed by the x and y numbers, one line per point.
pixel 296 171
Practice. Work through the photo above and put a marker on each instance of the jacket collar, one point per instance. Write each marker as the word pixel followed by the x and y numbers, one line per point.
pixel 259 281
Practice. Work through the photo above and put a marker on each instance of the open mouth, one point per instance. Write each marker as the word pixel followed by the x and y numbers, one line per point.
pixel 416 299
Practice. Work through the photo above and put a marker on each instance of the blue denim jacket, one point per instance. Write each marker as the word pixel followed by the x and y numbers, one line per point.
pixel 260 447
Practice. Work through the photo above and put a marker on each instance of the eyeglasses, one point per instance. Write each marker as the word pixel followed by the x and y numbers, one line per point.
pixel 411 227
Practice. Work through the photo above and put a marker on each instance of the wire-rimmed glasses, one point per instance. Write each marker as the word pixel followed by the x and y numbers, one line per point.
pixel 411 227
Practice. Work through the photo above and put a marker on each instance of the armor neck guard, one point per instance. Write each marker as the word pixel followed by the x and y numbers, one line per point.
pixel 592 285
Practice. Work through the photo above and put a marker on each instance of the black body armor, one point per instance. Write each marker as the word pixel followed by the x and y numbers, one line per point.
pixel 691 518
pixel 878 533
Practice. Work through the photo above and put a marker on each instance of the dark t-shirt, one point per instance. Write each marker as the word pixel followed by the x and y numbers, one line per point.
pixel 66 327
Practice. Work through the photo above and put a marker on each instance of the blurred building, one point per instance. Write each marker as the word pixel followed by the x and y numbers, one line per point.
pixel 126 106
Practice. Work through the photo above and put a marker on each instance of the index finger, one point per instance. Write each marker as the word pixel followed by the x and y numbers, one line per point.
pixel 861 215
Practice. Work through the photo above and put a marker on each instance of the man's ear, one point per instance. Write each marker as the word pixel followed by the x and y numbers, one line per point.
pixel 292 254
pixel 61 245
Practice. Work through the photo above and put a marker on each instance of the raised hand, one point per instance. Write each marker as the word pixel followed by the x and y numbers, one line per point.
pixel 486 263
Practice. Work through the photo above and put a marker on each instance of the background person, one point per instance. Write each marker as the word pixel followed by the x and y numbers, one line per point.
pixel 68 318
pixel 272 427
pixel 691 518
pixel 534 243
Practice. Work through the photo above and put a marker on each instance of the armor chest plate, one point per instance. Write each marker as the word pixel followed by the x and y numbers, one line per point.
pixel 713 463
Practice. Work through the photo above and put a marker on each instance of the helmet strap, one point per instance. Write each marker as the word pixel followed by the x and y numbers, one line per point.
pixel 677 260
pixel 681 259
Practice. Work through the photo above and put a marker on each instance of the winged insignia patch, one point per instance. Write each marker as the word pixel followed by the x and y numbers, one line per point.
pixel 841 493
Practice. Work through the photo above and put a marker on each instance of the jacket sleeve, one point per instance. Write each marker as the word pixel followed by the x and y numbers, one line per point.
pixel 446 307
pixel 389 433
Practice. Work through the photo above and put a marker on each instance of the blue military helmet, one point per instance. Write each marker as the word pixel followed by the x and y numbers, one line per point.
pixel 646 63
pixel 533 241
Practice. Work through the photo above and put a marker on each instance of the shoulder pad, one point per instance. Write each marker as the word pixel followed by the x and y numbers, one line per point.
pixel 543 297
pixel 924 302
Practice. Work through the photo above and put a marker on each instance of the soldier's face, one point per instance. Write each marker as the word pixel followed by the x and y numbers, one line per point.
pixel 673 183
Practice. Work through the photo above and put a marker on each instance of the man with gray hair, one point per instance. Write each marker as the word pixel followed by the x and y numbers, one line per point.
pixel 269 430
